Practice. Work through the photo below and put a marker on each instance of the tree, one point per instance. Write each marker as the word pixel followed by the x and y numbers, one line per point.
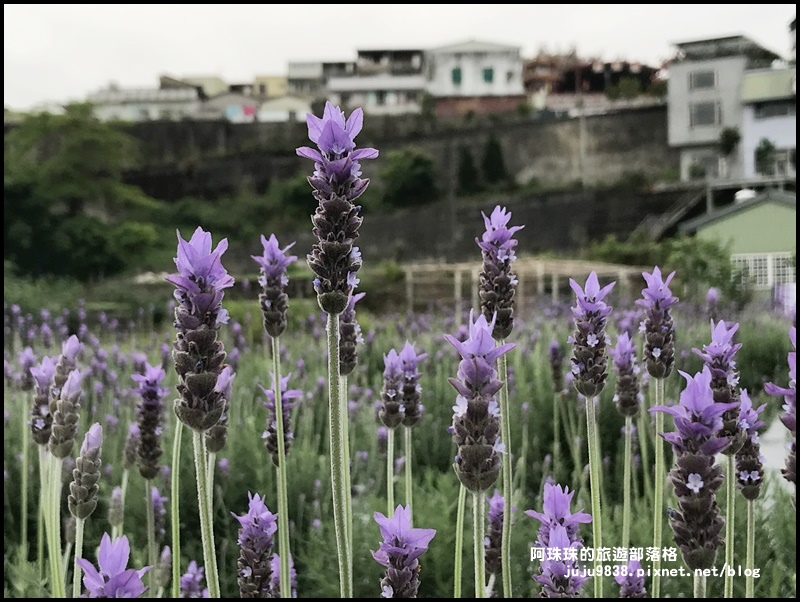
pixel 494 167
pixel 408 178
pixel 728 141
pixel 64 195
pixel 765 157
pixel 468 176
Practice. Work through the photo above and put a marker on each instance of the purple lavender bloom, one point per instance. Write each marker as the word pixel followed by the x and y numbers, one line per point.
pixel 116 511
pixel 273 281
pixel 217 435
pixel 493 542
pixel 497 282
pixel 150 416
pixel 336 182
pixel 275 583
pixel 65 417
pixel 27 360
pixel 712 303
pixel 164 567
pixel 658 327
pixel 627 396
pixel 349 335
pixel 41 418
pixel 589 341
pixel 113 579
pixel 289 399
pixel 560 576
pixel 83 489
pixel 130 453
pixel 392 410
pixel 556 512
pixel 198 353
pixel 749 467
pixel 139 361
pixel 412 407
pixel 159 514
pixel 192 582
pixel 256 532
pixel 789 417
pixel 476 414
pixel 719 357
pixel 631 581
pixel 556 357
pixel 695 476
pixel 399 552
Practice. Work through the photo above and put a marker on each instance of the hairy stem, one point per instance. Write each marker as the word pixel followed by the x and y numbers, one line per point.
pixel 408 473
pixel 76 570
pixel 699 585
pixel 24 484
pixel 626 483
pixel 339 482
pixel 658 490
pixel 283 496
pixel 478 511
pixel 390 473
pixel 595 485
pixel 730 512
pixel 206 520
pixel 175 480
pixel 462 502
pixel 349 456
pixel 152 554
pixel 751 549
pixel 505 423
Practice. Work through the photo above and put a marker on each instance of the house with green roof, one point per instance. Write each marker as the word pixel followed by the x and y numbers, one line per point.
pixel 761 233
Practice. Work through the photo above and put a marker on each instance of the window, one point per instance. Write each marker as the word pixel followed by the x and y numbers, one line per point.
pixel 262 89
pixel 380 98
pixel 510 76
pixel 702 80
pixel 704 113
pixel 488 75
pixel 778 162
pixel 455 75
pixel 764 270
pixel 765 110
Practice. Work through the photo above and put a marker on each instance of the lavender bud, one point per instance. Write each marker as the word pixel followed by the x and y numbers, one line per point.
pixel 658 329
pixel 273 281
pixel 83 490
pixel 589 341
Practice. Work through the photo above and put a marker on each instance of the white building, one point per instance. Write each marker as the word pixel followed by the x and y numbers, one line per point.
pixel 473 68
pixel 383 94
pixel 285 108
pixel 146 104
pixel 769 112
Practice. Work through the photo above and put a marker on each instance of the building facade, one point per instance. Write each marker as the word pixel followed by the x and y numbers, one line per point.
pixel 146 104
pixel 704 98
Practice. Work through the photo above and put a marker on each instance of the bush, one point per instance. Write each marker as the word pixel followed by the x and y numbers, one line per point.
pixel 494 167
pixel 408 179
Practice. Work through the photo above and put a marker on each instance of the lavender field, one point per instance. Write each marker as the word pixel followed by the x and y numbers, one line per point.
pixel 482 453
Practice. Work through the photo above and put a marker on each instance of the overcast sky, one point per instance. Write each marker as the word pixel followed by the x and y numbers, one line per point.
pixel 63 52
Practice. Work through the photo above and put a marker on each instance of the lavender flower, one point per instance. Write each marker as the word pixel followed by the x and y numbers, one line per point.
pixel 198 354
pixel 631 581
pixel 116 512
pixel 336 185
pixel 273 281
pixel 83 490
pixel 497 282
pixel 712 301
pixel 719 357
pixel 658 328
pixel 275 582
pixel 560 575
pixel 695 477
pixel 494 536
pixel 113 579
pixel 217 435
pixel 589 341
pixel 392 410
pixel 349 335
pixel 476 417
pixel 159 514
pixel 130 453
pixel 556 512
pixel 399 552
pixel 627 396
pixel 27 360
pixel 288 397
pixel 41 418
pixel 749 467
pixel 258 527
pixel 164 567
pixel 65 416
pixel 412 408
pixel 150 415
pixel 789 417
pixel 192 582
pixel 556 356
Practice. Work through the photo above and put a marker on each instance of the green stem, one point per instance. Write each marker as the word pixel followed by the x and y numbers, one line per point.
pixel 644 451
pixel 175 479
pixel 117 530
pixel 699 585
pixel 408 474
pixel 390 472
pixel 462 502
pixel 556 437
pixel 40 528
pixel 626 484
pixel 339 482
pixel 152 554
pixel 658 490
pixel 730 511
pixel 594 485
pixel 24 500
pixel 505 425
pixel 206 521
pixel 283 496
pixel 54 532
pixel 76 571
pixel 749 565
pixel 211 464
pixel 349 456
pixel 478 511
